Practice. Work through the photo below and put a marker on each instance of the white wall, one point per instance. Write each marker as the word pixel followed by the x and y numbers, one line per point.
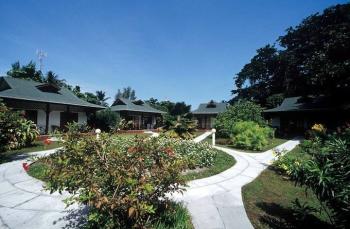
pixel 54 119
pixel 82 117
pixel 41 121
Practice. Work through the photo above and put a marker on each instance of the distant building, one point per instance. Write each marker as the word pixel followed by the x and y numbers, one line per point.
pixel 297 114
pixel 47 105
pixel 207 112
pixel 140 113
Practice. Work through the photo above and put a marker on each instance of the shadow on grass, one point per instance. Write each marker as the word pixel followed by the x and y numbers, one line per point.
pixel 279 217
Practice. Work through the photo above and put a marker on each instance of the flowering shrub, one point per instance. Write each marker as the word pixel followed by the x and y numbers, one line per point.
pixel 15 131
pixel 317 130
pixel 194 154
pixel 249 135
pixel 326 171
pixel 125 182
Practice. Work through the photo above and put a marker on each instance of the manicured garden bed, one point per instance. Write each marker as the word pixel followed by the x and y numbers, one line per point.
pixel 268 201
pixel 222 162
pixel 36 146
pixel 272 144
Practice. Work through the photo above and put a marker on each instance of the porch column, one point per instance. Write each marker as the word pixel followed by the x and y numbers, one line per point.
pixel 47 112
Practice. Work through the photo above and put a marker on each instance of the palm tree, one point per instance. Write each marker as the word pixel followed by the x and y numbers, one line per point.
pixel 101 97
pixel 52 78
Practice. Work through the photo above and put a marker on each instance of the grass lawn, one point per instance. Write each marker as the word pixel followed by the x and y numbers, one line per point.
pixel 268 201
pixel 272 144
pixel 222 162
pixel 37 146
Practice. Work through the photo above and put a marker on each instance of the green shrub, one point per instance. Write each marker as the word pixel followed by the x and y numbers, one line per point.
pixel 240 111
pixel 126 125
pixel 107 120
pixel 183 127
pixel 249 135
pixel 194 154
pixel 326 173
pixel 125 185
pixel 15 131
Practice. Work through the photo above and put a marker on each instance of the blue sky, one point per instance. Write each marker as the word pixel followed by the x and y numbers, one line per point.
pixel 178 50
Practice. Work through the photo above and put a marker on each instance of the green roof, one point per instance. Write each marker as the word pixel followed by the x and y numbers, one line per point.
pixel 14 88
pixel 123 104
pixel 210 108
pixel 298 103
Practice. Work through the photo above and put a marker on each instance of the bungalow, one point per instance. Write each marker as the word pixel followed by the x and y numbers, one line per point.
pixel 207 112
pixel 142 115
pixel 297 114
pixel 47 105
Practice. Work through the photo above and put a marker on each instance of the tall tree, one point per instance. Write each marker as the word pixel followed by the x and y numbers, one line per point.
pixel 101 98
pixel 315 60
pixel 53 78
pixel 126 93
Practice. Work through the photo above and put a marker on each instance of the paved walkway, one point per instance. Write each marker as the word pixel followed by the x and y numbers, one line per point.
pixel 216 202
pixel 24 204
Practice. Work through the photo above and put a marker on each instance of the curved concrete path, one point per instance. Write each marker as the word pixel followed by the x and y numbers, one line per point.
pixel 24 203
pixel 216 202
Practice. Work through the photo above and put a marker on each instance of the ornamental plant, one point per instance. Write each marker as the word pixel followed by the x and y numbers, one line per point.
pixel 125 182
pixel 240 111
pixel 183 127
pixel 249 135
pixel 326 172
pixel 15 131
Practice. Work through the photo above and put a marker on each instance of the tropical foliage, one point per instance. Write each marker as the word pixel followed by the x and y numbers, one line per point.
pixel 314 59
pixel 172 108
pixel 126 93
pixel 126 182
pixel 326 172
pixel 181 127
pixel 249 135
pixel 106 120
pixel 240 111
pixel 15 130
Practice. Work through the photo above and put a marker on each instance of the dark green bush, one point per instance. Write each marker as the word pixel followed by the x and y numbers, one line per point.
pixel 107 120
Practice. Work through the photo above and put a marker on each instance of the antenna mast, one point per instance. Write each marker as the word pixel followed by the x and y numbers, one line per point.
pixel 41 55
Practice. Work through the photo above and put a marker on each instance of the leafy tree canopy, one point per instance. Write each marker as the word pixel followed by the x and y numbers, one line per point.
pixel 314 59
pixel 173 108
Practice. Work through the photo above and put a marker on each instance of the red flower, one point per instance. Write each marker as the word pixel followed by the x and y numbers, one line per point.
pixel 25 166
pixel 169 151
pixel 132 150
pixel 47 141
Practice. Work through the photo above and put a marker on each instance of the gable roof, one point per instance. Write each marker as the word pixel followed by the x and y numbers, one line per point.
pixel 21 89
pixel 129 105
pixel 210 108
pixel 299 103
